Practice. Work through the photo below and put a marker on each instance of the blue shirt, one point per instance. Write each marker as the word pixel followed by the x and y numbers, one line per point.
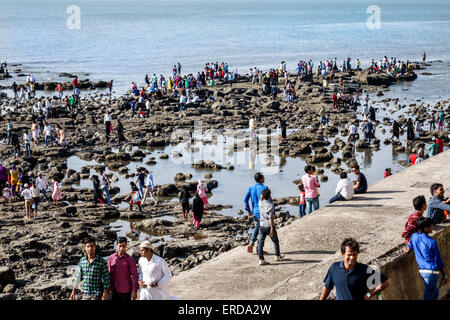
pixel 141 178
pixel 350 284
pixel 254 194
pixel 426 251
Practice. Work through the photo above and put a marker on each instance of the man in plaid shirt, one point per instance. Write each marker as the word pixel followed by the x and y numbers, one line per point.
pixel 437 205
pixel 93 271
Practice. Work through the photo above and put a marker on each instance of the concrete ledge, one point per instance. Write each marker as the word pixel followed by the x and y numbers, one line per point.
pixel 376 219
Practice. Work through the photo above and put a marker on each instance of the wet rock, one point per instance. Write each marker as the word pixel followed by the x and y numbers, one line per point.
pixel 6 276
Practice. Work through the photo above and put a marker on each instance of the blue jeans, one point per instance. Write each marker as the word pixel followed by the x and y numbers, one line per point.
pixel 105 188
pixel 310 202
pixel 182 107
pixel 48 139
pixel 141 190
pixel 28 149
pixel 431 291
pixel 45 195
pixel 16 152
pixel 337 197
pixel 301 210
pixel 263 232
pixel 9 136
pixel 256 230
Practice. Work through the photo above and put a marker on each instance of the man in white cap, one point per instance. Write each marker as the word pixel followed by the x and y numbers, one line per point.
pixel 27 195
pixel 154 275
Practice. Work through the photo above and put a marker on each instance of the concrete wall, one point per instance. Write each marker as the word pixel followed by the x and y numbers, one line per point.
pixel 403 272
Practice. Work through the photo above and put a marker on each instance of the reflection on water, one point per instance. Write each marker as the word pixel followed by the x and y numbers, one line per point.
pixel 233 184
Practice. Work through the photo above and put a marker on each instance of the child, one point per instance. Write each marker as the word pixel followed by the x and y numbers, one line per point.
pixel 56 191
pixel 302 204
pixel 420 205
pixel 135 197
pixel 7 192
pixel 387 172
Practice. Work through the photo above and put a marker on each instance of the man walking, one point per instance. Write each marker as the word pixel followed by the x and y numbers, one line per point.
pixel 254 194
pixel 428 258
pixel 123 273
pixel 93 271
pixel 140 181
pixel 41 183
pixel 310 184
pixel 149 186
pixel 351 278
pixel 267 227
pixel 105 185
pixel 154 275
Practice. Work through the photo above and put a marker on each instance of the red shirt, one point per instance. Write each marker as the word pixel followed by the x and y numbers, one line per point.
pixel 412 159
pixel 123 273
pixel 441 145
pixel 75 82
pixel 411 226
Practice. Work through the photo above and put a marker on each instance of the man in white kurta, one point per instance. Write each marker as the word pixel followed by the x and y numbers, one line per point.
pixel 154 275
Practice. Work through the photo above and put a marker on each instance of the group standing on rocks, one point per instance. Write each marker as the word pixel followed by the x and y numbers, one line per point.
pixel 188 93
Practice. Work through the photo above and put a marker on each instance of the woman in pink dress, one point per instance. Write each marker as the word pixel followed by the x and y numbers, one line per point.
pixel 202 190
pixel 56 191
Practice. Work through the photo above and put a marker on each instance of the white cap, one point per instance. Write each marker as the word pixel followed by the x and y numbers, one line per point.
pixel 145 244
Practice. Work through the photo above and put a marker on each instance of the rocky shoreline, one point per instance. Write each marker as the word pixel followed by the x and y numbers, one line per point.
pixel 39 251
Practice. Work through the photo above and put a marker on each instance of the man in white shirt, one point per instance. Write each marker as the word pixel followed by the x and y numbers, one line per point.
pixel 48 135
pixel 182 102
pixel 154 275
pixel 352 132
pixel 28 197
pixel 149 186
pixel 27 141
pixel 344 190
pixel 41 183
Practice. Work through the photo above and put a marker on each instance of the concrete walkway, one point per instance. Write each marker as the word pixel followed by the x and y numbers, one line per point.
pixel 376 219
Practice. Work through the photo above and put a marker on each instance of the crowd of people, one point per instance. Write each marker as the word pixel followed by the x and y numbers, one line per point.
pixel 119 275
pixel 16 184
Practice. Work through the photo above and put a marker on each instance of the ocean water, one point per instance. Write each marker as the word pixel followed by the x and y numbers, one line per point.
pixel 124 40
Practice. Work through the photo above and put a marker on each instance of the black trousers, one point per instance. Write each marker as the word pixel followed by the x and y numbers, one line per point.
pixel 107 129
pixel 185 206
pixel 121 296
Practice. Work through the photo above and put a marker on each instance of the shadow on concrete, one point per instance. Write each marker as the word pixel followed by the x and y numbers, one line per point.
pixel 289 261
pixel 383 192
pixel 366 198
pixel 310 252
pixel 358 205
